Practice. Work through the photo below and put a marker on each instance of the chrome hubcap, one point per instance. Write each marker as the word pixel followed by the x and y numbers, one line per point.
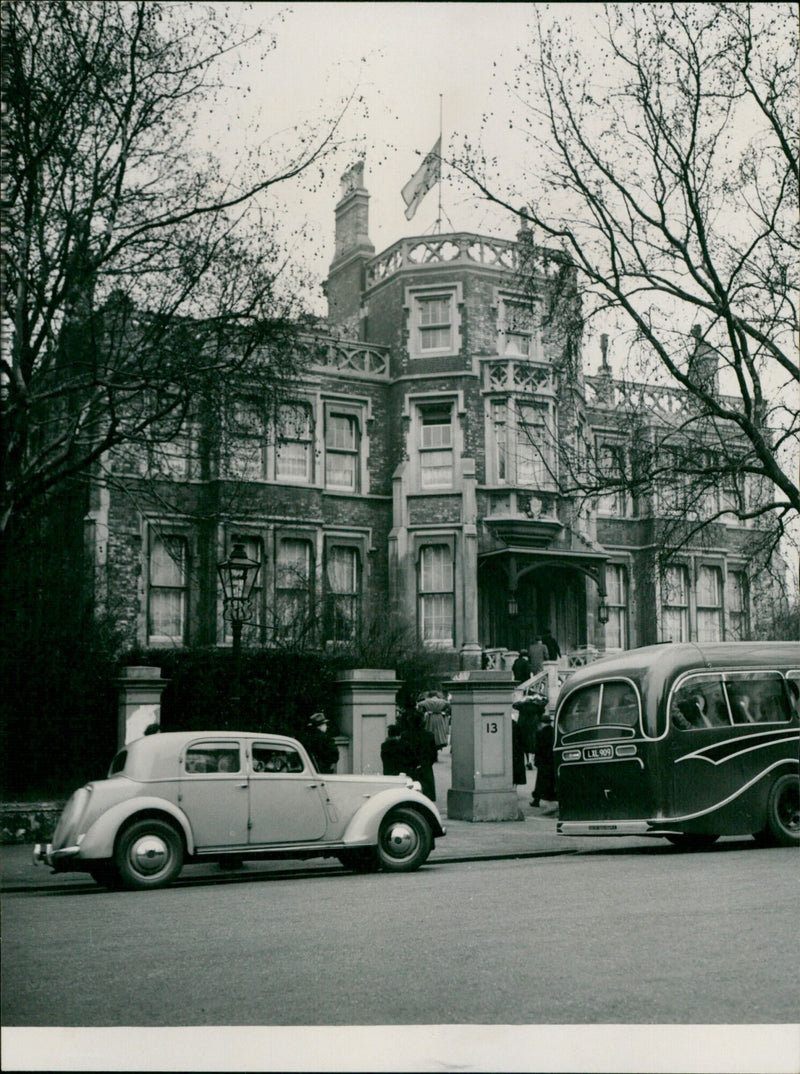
pixel 401 839
pixel 149 855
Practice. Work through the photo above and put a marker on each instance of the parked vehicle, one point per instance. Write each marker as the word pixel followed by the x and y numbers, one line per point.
pixel 183 797
pixel 685 741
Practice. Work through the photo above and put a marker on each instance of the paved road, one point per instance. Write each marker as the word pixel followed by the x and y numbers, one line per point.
pixel 613 937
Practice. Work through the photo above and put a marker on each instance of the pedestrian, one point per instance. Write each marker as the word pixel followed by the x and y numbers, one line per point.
pixel 545 790
pixel 518 773
pixel 550 643
pixel 435 711
pixel 315 738
pixel 521 668
pixel 537 654
pixel 420 750
pixel 393 754
pixel 530 711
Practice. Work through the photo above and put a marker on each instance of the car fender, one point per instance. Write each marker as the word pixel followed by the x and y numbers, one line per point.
pixel 364 825
pixel 98 841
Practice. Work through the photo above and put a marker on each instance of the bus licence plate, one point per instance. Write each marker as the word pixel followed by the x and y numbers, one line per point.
pixel 597 753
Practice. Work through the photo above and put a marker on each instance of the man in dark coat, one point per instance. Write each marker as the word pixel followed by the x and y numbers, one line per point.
pixel 420 749
pixel 545 790
pixel 550 643
pixel 517 755
pixel 393 753
pixel 530 710
pixel 521 668
pixel 315 738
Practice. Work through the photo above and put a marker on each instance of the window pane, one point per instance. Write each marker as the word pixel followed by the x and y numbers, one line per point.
pixel 437 469
pixel 436 568
pixel 166 613
pixel 168 561
pixel 620 705
pixel 437 618
pixel 699 702
pixel 291 460
pixel 294 558
pixel 341 432
pixel 343 570
pixel 580 711
pixel 758 698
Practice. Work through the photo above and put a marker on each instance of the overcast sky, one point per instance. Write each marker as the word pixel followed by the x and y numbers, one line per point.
pixel 402 56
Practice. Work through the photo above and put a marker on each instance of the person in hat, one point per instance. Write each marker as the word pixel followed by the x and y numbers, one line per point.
pixel 393 752
pixel 545 789
pixel 318 742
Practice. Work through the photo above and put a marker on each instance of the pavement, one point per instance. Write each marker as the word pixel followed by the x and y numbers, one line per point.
pixel 534 836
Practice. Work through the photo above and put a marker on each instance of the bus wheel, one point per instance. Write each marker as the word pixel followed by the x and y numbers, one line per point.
pixel 783 811
pixel 692 840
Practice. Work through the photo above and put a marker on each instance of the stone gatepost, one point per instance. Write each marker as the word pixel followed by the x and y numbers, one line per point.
pixel 480 744
pixel 366 704
pixel 140 690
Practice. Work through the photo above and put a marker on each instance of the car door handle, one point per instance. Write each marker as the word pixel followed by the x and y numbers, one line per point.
pixel 242 786
pixel 311 786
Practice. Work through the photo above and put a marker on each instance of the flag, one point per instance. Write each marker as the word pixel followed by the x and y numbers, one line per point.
pixel 426 176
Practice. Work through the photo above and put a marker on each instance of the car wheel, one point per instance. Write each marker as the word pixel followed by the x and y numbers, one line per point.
pixel 405 841
pixel 692 840
pixel 105 874
pixel 363 860
pixel 783 811
pixel 149 854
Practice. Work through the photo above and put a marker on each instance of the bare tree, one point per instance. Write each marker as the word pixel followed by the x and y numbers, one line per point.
pixel 136 273
pixel 667 171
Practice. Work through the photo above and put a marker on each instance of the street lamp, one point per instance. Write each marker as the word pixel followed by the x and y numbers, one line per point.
pixel 238 576
pixel 512 604
pixel 602 611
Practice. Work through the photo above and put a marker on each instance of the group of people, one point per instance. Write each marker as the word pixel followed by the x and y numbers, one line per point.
pixel 544 647
pixel 412 746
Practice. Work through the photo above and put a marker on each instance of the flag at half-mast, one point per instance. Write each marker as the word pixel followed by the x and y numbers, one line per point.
pixel 426 176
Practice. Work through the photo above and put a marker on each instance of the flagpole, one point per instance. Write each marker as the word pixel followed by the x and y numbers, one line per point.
pixel 439 216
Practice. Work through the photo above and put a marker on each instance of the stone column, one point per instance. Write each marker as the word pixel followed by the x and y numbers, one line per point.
pixel 140 690
pixel 366 704
pixel 471 652
pixel 480 743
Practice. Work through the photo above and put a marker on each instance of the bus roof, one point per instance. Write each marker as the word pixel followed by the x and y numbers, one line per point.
pixel 662 662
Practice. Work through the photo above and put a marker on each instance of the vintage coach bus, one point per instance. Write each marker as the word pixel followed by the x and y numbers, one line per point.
pixel 685 741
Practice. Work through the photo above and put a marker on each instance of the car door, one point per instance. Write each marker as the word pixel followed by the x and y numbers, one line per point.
pixel 213 793
pixel 286 801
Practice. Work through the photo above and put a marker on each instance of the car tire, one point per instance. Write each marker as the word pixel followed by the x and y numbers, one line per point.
pixel 692 840
pixel 362 860
pixel 783 811
pixel 106 875
pixel 405 841
pixel 149 855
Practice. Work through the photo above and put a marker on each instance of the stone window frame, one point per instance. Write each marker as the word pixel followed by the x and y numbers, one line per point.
pixel 415 404
pixel 706 610
pixel 736 629
pixel 413 297
pixel 358 543
pixel 160 528
pixel 309 535
pixel 421 542
pixel 514 403
pixel 309 404
pixel 504 297
pixel 683 606
pixel 620 608
pixel 358 409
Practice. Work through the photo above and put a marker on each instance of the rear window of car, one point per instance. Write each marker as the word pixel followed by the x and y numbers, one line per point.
pixel 118 764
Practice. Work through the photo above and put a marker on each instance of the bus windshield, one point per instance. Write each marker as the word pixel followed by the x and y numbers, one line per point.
pixel 612 704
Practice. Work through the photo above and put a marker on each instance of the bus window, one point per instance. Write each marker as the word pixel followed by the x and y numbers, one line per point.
pixel 699 702
pixel 758 697
pixel 580 711
pixel 620 705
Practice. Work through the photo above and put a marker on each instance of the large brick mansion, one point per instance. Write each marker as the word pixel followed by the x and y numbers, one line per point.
pixel 414 473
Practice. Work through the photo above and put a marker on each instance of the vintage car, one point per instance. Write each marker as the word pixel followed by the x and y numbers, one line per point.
pixel 228 797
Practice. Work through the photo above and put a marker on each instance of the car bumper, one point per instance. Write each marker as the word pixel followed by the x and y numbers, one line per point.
pixel 61 860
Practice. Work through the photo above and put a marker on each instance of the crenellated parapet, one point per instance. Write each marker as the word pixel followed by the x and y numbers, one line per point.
pixel 463 249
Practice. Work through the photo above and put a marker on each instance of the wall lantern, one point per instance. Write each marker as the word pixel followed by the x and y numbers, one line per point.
pixel 602 611
pixel 512 604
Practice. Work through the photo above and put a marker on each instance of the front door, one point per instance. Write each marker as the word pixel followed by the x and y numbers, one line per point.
pixel 286 804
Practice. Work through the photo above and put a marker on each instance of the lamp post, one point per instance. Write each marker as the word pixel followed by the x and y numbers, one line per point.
pixel 238 576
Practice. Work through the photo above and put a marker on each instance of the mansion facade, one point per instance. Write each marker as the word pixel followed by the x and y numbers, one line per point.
pixel 414 473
